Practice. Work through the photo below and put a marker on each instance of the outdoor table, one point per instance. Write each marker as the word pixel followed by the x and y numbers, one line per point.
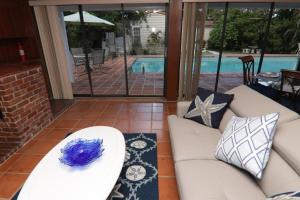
pixel 253 49
pixel 270 79
pixel 52 179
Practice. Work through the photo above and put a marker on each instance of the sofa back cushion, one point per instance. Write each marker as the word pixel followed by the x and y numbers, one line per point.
pixel 279 176
pixel 182 107
pixel 249 103
pixel 226 118
pixel 286 143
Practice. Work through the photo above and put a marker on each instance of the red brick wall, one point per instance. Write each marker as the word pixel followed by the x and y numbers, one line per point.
pixel 26 108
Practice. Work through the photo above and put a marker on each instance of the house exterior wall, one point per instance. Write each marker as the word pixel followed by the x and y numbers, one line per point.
pixel 207 31
pixel 154 20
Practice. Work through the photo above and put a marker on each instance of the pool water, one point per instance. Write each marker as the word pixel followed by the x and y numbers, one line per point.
pixel 151 65
pixel 209 64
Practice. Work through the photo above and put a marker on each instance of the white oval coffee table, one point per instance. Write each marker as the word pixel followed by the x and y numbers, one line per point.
pixel 53 180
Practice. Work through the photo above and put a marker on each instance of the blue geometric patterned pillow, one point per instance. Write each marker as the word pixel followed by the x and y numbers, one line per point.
pixel 246 142
pixel 286 196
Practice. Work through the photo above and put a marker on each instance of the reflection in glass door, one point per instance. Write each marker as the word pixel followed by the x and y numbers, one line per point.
pixel 117 50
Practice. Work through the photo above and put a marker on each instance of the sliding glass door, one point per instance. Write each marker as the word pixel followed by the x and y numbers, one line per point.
pixel 146 55
pixel 117 50
pixel 268 32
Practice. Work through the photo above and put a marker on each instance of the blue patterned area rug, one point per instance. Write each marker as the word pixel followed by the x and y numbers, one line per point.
pixel 139 177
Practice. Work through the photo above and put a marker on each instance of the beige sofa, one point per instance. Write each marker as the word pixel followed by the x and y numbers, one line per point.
pixel 201 177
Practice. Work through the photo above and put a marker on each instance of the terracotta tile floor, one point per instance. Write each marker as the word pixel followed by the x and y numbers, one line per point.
pixel 126 116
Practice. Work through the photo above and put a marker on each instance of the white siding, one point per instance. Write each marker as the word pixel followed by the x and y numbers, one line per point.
pixel 154 20
pixel 207 31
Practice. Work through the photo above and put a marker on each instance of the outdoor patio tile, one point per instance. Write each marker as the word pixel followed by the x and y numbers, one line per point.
pixel 25 164
pixel 168 188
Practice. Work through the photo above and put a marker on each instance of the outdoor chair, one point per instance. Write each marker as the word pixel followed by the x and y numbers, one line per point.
pixel 290 88
pixel 98 57
pixel 248 69
pixel 75 53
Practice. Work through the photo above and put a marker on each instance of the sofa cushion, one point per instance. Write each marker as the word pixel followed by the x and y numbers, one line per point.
pixel 182 107
pixel 246 142
pixel 278 176
pixel 247 103
pixel 191 140
pixel 208 107
pixel 226 118
pixel 286 143
pixel 214 180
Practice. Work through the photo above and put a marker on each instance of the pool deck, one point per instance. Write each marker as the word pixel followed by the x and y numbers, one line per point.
pixel 109 78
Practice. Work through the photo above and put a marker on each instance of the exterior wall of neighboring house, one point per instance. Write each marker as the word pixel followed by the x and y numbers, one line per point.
pixel 155 22
pixel 207 29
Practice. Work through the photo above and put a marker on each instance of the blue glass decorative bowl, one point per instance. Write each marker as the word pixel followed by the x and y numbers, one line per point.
pixel 80 152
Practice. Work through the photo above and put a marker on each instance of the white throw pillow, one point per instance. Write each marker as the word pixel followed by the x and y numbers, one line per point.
pixel 246 142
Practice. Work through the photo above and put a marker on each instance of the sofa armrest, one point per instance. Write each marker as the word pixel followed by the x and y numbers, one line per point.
pixel 182 108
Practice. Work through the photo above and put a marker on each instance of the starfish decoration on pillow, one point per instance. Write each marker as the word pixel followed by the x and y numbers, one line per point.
pixel 205 109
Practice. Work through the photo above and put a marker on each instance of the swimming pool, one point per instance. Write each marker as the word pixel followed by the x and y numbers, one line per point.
pixel 209 64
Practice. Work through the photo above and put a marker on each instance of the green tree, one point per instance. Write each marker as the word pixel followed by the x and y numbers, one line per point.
pixel 245 27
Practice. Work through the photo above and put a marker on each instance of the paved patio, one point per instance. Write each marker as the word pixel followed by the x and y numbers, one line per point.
pixel 109 79
pixel 227 81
